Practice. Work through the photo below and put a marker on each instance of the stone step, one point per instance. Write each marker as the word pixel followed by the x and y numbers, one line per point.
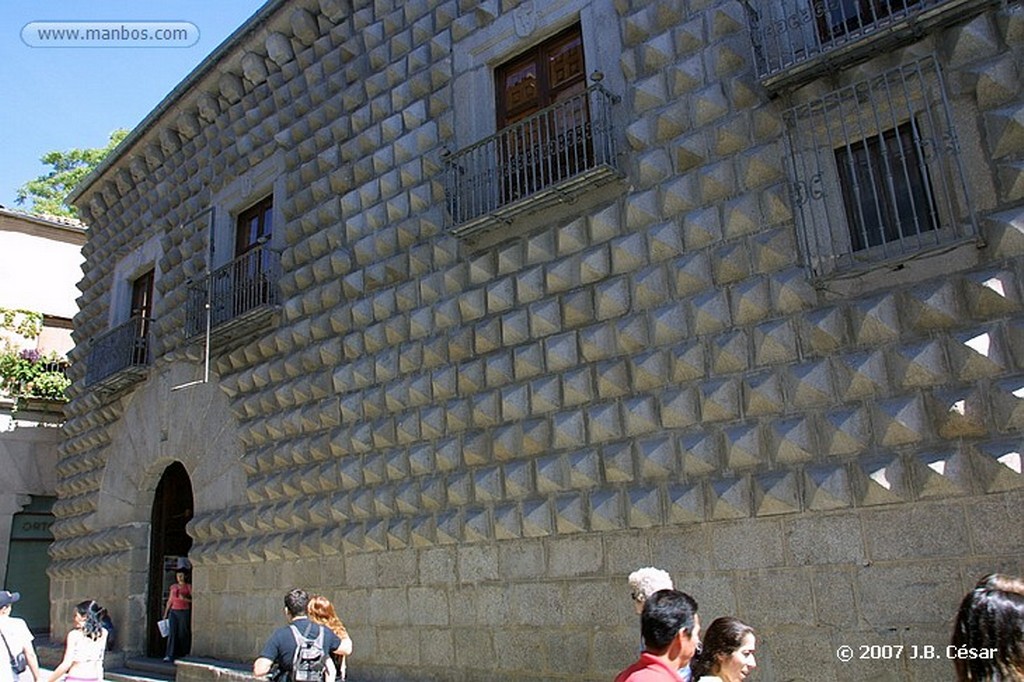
pixel 129 675
pixel 153 665
pixel 142 670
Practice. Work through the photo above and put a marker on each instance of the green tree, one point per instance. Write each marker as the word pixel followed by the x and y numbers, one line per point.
pixel 49 192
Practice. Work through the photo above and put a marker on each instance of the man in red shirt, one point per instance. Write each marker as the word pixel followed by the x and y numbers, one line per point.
pixel 671 631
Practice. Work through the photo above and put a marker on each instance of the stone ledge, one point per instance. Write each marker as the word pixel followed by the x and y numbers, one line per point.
pixel 209 669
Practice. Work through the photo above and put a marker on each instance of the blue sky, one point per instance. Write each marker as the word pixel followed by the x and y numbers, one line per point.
pixel 60 98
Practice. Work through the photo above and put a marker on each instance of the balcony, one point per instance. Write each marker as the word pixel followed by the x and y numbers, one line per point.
pixel 242 295
pixel 547 158
pixel 797 40
pixel 120 357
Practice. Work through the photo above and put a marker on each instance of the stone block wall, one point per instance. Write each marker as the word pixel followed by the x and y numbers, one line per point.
pixel 469 445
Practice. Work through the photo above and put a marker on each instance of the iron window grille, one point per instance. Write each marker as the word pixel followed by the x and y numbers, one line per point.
pixel 875 170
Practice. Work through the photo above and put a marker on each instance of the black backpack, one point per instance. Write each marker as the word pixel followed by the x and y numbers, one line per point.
pixel 309 664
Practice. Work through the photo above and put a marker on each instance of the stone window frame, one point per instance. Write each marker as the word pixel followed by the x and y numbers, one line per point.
pixel 265 179
pixel 126 272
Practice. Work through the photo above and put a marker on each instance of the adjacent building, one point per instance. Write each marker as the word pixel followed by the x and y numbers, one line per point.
pixel 40 264
pixel 458 312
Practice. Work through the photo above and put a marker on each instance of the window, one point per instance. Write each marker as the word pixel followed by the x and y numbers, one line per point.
pixel 795 41
pixel 141 314
pixel 837 18
pixel 545 147
pixel 252 257
pixel 245 283
pixel 254 227
pixel 236 294
pixel 553 137
pixel 886 189
pixel 142 296
pixel 876 172
pixel 549 73
pixel 118 357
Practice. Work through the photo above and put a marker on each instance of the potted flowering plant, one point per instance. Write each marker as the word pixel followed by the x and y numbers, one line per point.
pixel 33 380
pixel 28 374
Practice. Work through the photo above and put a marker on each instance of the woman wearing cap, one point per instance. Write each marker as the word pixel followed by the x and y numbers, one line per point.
pixel 86 645
pixel 16 636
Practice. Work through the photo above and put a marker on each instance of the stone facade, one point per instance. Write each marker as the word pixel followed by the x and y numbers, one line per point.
pixel 469 442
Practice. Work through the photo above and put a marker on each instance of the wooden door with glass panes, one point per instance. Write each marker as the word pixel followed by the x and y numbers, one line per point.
pixel 547 149
pixel 252 235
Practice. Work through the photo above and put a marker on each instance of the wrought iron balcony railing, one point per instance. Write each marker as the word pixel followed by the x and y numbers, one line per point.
pixel 794 38
pixel 546 158
pixel 121 355
pixel 235 292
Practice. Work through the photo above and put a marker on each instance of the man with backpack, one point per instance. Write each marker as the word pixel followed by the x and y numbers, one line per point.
pixel 299 650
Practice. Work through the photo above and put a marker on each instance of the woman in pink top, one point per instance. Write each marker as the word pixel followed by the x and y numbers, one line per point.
pixel 179 611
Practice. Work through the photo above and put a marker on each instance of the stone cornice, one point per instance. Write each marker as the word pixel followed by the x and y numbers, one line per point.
pixel 191 84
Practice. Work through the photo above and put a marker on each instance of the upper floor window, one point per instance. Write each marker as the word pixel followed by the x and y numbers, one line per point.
pixel 142 313
pixel 254 227
pixel 542 141
pixel 886 187
pixel 246 283
pixel 876 170
pixel 838 18
pixel 540 77
pixel 142 295
pixel 242 290
pixel 795 40
pixel 236 294
pixel 554 137
pixel 119 357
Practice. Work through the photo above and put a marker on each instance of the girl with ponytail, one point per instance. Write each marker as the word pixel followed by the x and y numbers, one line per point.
pixel 86 644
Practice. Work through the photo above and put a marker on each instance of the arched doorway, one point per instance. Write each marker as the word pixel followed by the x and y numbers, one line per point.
pixel 168 545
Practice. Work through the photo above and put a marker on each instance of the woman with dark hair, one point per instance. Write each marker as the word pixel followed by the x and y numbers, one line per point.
pixel 179 612
pixel 321 611
pixel 990 631
pixel 86 645
pixel 727 652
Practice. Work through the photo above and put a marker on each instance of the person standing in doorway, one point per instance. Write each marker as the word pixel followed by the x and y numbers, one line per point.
pixel 17 638
pixel 179 612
